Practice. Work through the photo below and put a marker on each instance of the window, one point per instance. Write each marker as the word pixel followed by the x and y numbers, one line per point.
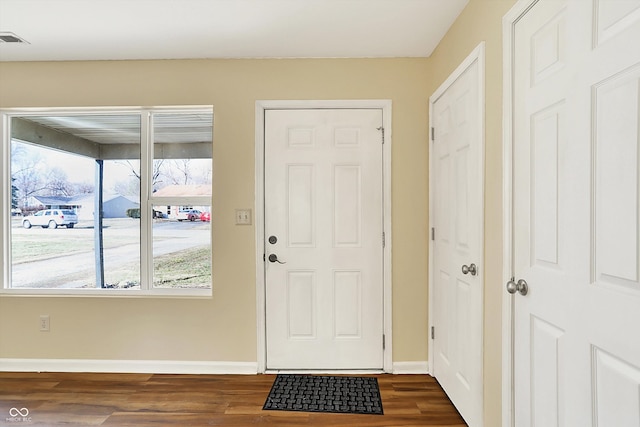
pixel 108 201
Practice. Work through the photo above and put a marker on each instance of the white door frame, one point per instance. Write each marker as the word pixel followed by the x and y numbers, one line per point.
pixel 478 54
pixel 508 315
pixel 261 106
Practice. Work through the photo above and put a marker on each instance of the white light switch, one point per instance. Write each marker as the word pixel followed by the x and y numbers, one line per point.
pixel 243 216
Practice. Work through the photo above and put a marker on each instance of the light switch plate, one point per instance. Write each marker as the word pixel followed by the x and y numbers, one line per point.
pixel 243 216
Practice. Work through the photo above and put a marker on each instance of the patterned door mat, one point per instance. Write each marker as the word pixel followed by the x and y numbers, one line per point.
pixel 313 393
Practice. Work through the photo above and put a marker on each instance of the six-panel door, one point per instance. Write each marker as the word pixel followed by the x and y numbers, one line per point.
pixel 576 214
pixel 323 204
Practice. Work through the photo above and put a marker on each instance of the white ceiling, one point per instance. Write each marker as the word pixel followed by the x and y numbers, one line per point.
pixel 64 30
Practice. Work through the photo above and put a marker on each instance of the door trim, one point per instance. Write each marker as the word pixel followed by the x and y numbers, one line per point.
pixel 261 107
pixel 477 55
pixel 509 22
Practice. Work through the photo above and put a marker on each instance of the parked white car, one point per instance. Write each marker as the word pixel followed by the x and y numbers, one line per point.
pixel 189 215
pixel 51 218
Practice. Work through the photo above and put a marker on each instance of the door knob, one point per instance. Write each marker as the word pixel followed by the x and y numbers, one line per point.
pixel 521 286
pixel 466 269
pixel 274 258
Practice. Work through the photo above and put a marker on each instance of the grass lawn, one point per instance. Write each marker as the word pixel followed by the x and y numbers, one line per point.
pixel 190 268
pixel 186 265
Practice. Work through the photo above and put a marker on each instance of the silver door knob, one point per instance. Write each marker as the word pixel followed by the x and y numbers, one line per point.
pixel 521 286
pixel 466 269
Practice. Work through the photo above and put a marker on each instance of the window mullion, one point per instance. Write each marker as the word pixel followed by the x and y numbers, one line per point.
pixel 146 169
pixel 5 200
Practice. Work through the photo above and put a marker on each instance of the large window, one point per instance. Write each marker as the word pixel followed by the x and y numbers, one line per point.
pixel 107 201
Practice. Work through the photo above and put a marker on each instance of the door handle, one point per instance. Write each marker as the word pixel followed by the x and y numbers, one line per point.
pixel 521 286
pixel 466 269
pixel 274 258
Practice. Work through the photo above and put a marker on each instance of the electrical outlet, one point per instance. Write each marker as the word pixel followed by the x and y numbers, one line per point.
pixel 44 323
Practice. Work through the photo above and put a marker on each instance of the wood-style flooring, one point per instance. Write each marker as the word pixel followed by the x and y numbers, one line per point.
pixel 200 400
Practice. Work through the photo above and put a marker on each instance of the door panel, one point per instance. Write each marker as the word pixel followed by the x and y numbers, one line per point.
pixel 616 192
pixel 616 390
pixel 301 303
pixel 613 17
pixel 347 292
pixel 576 219
pixel 323 187
pixel 300 199
pixel 544 158
pixel 546 356
pixel 347 213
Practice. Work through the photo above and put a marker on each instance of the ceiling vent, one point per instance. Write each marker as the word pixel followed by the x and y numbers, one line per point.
pixel 6 37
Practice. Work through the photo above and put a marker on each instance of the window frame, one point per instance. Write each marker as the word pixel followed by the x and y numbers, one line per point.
pixel 147 201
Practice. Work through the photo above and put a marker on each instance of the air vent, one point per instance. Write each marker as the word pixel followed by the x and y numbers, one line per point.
pixel 6 37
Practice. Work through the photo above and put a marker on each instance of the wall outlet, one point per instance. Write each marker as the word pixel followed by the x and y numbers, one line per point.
pixel 243 216
pixel 44 323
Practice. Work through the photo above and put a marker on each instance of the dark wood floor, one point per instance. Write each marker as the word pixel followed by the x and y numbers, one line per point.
pixel 200 400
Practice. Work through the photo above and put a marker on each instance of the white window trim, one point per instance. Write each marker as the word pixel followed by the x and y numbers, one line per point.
pixel 146 201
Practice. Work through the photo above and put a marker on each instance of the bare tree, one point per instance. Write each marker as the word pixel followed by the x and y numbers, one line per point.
pixel 179 172
pixel 206 174
pixel 83 188
pixel 32 175
pixel 188 171
pixel 25 172
pixel 57 183
pixel 131 187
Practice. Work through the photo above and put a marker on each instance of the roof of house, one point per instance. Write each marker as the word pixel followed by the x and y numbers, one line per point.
pixel 78 200
pixel 184 190
pixel 56 200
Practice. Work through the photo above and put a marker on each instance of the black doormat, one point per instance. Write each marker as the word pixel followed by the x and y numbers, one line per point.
pixel 313 393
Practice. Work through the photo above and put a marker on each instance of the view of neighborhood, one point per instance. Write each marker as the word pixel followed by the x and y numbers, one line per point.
pixel 65 258
pixel 84 250
pixel 44 179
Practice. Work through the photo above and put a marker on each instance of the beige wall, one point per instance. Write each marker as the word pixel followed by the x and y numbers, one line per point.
pixel 482 21
pixel 223 328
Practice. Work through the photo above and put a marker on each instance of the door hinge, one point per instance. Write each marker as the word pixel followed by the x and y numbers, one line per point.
pixel 383 341
pixel 433 332
pixel 433 134
pixel 382 130
pixel 433 233
pixel 384 240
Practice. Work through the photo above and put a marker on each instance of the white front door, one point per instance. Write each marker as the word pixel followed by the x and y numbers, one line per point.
pixel 323 238
pixel 457 220
pixel 576 223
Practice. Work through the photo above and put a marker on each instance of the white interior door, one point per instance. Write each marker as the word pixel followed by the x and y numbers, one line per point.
pixel 576 194
pixel 457 218
pixel 324 223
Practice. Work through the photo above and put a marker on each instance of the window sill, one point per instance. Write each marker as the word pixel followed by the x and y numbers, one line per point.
pixel 107 293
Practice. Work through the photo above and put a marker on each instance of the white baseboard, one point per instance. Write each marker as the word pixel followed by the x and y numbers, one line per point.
pixel 161 366
pixel 127 366
pixel 402 368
